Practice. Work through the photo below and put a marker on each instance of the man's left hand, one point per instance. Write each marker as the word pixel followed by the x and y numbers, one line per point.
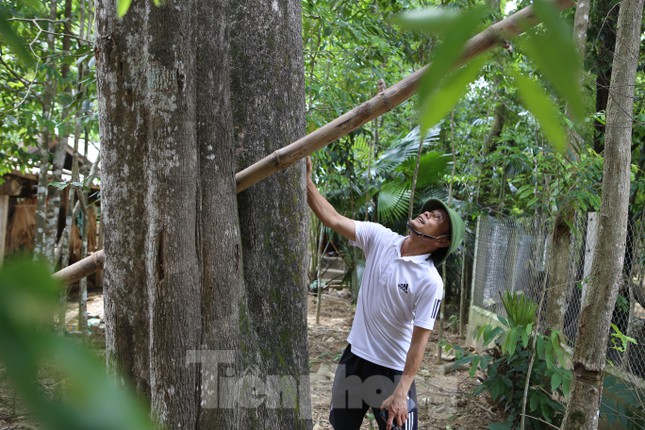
pixel 397 410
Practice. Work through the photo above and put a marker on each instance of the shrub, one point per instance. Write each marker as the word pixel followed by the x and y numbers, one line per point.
pixel 519 351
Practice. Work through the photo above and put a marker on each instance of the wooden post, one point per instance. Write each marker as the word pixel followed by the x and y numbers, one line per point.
pixel 4 215
pixel 10 187
pixel 383 102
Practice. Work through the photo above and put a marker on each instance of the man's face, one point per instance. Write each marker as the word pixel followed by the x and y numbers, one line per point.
pixel 432 223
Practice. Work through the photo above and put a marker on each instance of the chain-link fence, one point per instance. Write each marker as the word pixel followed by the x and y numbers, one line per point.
pixel 517 257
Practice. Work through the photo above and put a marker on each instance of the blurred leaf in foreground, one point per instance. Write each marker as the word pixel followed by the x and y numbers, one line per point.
pixel 89 397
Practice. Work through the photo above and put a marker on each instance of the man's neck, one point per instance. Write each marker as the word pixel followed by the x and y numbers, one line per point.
pixel 409 248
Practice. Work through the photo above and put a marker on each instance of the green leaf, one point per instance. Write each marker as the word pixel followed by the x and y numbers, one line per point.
pixel 473 366
pixel 447 54
pixel 13 40
pixel 433 20
pixel 122 7
pixel 538 103
pixel 554 52
pixel 556 381
pixel 566 384
pixel 525 339
pixel 393 201
pixel 432 167
pixel 437 104
pixel 533 400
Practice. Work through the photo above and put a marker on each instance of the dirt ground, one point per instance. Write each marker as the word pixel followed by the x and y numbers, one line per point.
pixel 444 400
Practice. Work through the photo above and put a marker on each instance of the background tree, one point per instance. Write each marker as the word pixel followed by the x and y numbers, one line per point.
pixel 590 348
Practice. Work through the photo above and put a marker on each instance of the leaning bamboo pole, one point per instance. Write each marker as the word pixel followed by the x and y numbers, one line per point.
pixel 383 102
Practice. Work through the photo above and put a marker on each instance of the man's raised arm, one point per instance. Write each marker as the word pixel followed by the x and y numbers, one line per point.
pixel 325 212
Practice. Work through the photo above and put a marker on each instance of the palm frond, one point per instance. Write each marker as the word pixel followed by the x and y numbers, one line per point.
pixel 393 202
pixel 432 167
pixel 405 148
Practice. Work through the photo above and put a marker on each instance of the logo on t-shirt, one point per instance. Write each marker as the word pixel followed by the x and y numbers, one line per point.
pixel 404 288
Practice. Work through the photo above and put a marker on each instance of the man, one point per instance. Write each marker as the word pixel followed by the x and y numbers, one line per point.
pixel 398 302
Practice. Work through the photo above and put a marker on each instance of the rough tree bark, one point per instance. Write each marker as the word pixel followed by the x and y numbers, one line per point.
pixel 146 82
pixel 606 276
pixel 269 112
pixel 175 297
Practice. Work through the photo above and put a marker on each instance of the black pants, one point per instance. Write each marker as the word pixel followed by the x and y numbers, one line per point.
pixel 360 385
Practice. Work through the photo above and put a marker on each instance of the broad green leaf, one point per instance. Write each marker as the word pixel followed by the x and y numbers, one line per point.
pixel 122 7
pixel 503 320
pixel 13 40
pixel 555 340
pixel 529 328
pixel 538 103
pixel 432 167
pixel 512 341
pixel 474 365
pixel 533 400
pixel 393 201
pixel 437 104
pixel 447 54
pixel 433 20
pixel 556 381
pixel 525 339
pixel 553 50
pixel 566 384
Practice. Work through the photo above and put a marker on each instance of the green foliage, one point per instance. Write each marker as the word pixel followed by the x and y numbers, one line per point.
pixel 619 340
pixel 11 38
pixel 507 365
pixel 551 47
pixel 88 397
pixel 41 97
pixel 540 105
pixel 122 6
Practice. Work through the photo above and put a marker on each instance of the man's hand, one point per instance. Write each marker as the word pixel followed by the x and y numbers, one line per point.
pixel 397 410
pixel 309 168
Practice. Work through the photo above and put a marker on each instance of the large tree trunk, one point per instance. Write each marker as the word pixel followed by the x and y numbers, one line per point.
pixel 269 112
pixel 176 302
pixel 146 81
pixel 606 276
pixel 168 197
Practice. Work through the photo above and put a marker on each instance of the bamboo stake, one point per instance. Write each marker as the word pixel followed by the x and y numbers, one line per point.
pixel 383 102
pixel 81 268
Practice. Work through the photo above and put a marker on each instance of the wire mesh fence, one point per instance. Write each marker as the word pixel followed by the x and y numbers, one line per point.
pixel 511 256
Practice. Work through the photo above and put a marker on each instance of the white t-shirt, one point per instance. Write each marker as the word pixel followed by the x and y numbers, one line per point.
pixel 396 294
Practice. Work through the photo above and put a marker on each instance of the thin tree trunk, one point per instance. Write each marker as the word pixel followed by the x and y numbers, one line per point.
pixel 561 252
pixel 593 330
pixel 41 250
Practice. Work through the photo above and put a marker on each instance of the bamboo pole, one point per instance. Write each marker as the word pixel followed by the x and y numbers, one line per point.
pixel 81 268
pixel 383 102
